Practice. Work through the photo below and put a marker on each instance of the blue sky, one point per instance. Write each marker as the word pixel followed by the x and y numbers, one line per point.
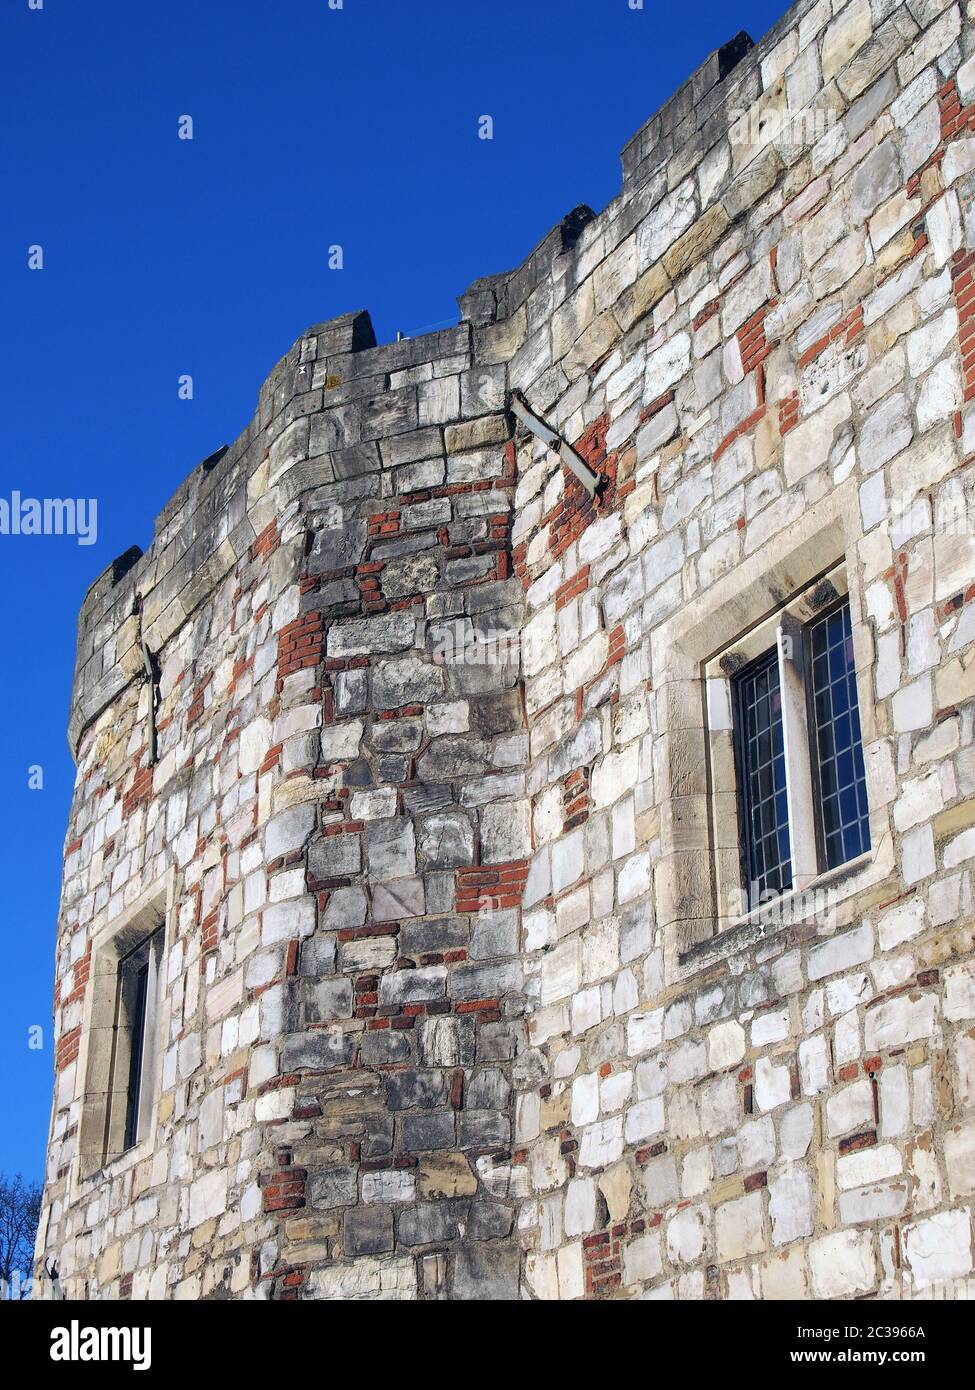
pixel 165 257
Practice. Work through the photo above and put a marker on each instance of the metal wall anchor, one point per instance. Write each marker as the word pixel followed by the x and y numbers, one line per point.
pixel 574 462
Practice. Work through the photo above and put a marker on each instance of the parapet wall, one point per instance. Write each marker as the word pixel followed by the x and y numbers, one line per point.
pixel 453 1003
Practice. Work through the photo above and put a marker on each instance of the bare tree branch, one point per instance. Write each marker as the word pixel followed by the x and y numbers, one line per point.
pixel 20 1210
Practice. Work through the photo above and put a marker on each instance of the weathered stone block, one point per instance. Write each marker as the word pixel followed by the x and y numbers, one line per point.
pixel 367 1230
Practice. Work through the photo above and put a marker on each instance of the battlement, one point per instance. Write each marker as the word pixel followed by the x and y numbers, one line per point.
pixel 201 531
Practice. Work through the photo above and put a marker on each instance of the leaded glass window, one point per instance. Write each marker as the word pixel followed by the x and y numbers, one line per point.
pixel 799 754
pixel 761 762
pixel 842 780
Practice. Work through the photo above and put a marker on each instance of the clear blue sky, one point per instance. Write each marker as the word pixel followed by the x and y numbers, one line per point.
pixel 162 257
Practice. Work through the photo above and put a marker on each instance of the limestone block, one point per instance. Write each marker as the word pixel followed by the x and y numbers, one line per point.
pixel 696 241
pixel 688 1235
pixel 642 1259
pixel 726 1045
pixel 505 831
pixel 845 37
pixel 784 1275
pixel 790 1206
pixel 878 1202
pixel 901 1020
pixel 842 1264
pixel 642 296
pixel 876 179
pixel 208 1197
pixel 739 1227
pixel 959 986
pixel 939 1248
pixel 288 831
pixel 796 1131
pixel 809 445
pixel 850 1108
pixel 841 952
pixel 669 220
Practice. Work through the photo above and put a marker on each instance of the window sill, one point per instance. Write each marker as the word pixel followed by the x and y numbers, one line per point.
pixel 115 1167
pixel 791 909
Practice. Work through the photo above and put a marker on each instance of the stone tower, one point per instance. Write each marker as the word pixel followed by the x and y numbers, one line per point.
pixel 432 757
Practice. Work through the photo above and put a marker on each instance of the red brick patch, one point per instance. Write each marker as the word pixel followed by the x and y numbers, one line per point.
pixel 195 710
pixel 789 413
pixel 283 1188
pixel 602 1255
pixel 491 886
pixel 576 510
pixel 67 1048
pixel 572 588
pixel 655 407
pixel 575 799
pixel 849 327
pixel 954 119
pixel 751 338
pixel 747 424
pixel 264 545
pixel 140 792
pixel 963 284
pixel 384 524
pixel 854 1142
pixel 300 645
pixel 708 312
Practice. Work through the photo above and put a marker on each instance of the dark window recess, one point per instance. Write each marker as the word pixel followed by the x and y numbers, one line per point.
pixel 760 755
pixel 840 775
pixel 136 1019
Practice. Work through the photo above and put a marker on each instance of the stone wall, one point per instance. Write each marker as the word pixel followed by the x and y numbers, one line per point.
pixel 454 1003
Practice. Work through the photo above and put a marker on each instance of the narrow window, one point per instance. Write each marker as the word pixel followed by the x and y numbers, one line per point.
pixel 840 773
pixel 135 1044
pixel 764 813
pixel 802 787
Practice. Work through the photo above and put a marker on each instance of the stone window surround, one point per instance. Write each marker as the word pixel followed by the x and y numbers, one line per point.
pixel 789 620
pixel 150 912
pixel 694 761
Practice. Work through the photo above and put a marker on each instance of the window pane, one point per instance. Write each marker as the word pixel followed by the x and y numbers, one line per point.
pixel 761 780
pixel 839 748
pixel 138 980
